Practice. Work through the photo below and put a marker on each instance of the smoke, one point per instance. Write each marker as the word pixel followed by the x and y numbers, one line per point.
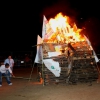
pixel 92 29
pixel 52 9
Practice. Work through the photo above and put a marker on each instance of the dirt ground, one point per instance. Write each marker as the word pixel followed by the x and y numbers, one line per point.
pixel 24 88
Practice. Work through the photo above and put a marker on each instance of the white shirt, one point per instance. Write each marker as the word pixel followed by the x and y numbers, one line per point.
pixel 9 61
pixel 3 69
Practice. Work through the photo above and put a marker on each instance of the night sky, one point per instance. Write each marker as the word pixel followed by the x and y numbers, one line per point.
pixel 22 21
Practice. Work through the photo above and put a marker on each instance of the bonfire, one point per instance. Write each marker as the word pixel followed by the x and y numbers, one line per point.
pixel 67 53
pixel 60 32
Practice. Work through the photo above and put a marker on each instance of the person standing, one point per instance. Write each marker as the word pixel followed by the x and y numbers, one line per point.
pixel 10 61
pixel 5 71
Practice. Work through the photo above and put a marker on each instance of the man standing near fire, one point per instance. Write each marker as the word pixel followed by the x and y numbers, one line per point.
pixel 10 61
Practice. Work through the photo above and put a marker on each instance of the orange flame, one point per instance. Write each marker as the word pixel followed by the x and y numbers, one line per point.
pixel 63 31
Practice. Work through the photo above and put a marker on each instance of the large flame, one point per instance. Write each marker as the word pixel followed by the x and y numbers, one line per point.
pixel 64 32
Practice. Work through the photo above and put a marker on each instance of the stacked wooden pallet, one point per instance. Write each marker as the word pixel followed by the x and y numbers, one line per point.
pixel 77 65
pixel 50 78
pixel 84 68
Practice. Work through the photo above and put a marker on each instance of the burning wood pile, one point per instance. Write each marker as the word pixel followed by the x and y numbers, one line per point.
pixel 70 51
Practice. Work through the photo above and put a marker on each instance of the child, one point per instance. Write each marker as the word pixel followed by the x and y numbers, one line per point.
pixel 6 72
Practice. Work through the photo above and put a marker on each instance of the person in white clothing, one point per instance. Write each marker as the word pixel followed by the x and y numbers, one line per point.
pixel 10 61
pixel 5 71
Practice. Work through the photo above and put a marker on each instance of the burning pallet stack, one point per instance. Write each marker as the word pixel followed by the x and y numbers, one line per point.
pixel 49 77
pixel 76 58
pixel 77 64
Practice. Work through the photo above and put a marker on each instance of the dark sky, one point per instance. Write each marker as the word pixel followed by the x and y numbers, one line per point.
pixel 22 21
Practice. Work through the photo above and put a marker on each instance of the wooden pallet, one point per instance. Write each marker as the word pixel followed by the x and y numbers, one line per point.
pixel 83 66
